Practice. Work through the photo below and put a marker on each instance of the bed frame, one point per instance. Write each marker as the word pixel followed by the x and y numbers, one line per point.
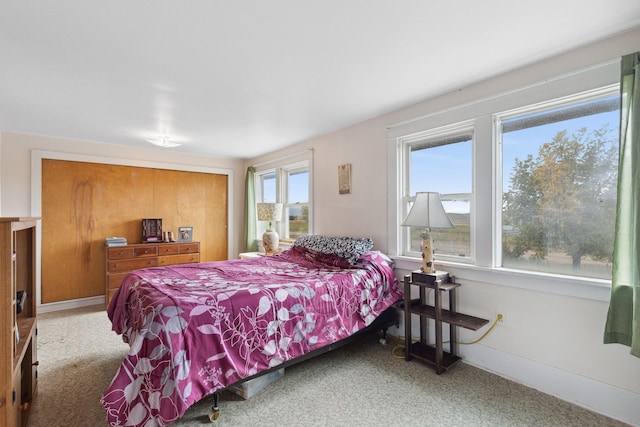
pixel 387 319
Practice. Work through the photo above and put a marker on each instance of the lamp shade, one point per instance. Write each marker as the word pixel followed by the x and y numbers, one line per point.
pixel 269 211
pixel 427 211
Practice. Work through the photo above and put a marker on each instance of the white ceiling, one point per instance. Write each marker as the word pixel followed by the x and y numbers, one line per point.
pixel 239 78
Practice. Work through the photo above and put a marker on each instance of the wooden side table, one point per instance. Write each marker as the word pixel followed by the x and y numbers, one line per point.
pixel 440 282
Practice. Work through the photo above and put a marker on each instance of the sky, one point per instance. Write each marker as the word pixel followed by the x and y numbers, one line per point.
pixel 298 189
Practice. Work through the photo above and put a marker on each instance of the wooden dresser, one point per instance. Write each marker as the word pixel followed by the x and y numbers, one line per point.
pixel 121 260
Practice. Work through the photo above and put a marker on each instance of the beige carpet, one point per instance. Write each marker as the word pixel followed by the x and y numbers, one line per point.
pixel 359 385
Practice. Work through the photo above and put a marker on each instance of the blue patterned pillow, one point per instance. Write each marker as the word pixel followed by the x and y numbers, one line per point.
pixel 349 248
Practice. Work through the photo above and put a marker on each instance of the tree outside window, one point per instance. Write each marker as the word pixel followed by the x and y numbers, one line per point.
pixel 560 182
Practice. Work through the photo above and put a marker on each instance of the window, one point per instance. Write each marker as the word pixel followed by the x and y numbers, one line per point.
pixel 288 183
pixel 441 161
pixel 296 204
pixel 267 187
pixel 559 181
pixel 528 177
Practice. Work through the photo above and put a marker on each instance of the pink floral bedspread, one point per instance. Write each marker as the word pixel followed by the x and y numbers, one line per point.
pixel 197 328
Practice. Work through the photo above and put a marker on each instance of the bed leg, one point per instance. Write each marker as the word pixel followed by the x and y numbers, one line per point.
pixel 214 412
pixel 383 340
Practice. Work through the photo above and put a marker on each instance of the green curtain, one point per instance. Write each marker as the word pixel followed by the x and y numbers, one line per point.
pixel 250 243
pixel 623 319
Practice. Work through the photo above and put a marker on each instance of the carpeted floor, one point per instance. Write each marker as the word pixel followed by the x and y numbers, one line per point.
pixel 359 385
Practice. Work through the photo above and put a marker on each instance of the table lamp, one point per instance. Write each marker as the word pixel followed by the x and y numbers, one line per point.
pixel 270 212
pixel 427 212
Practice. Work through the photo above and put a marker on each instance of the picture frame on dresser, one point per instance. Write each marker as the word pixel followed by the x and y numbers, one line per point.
pixel 185 234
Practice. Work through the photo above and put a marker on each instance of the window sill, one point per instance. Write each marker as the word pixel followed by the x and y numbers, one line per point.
pixel 580 287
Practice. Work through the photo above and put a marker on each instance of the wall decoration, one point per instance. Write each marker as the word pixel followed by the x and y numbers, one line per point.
pixel 344 178
pixel 185 234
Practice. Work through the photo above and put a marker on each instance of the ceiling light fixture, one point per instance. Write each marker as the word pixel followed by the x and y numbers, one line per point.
pixel 163 141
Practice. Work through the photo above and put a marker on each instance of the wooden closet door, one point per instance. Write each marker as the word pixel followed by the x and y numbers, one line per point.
pixel 82 203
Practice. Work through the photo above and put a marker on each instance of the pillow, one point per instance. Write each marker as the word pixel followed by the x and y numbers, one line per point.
pixel 349 248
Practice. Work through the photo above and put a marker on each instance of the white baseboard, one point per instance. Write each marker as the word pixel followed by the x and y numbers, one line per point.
pixel 588 393
pixel 66 305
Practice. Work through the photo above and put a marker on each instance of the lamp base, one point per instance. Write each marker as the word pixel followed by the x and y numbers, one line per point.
pixel 270 241
pixel 427 253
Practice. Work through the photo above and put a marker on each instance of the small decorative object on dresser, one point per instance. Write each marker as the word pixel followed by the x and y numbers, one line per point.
pixel 151 230
pixel 185 234
pixel 115 241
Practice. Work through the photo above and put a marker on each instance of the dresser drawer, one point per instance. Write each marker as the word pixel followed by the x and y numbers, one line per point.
pixel 142 251
pixel 188 248
pixel 168 249
pixel 178 259
pixel 119 253
pixel 132 264
pixel 115 279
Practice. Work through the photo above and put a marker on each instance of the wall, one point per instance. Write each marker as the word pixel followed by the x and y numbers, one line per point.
pixel 16 174
pixel 548 341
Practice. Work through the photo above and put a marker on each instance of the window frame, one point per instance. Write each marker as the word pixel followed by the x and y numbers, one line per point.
pixel 282 169
pixel 288 171
pixel 486 207
pixel 499 118
pixel 429 139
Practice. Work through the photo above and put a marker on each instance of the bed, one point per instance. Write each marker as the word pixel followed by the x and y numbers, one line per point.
pixel 196 329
